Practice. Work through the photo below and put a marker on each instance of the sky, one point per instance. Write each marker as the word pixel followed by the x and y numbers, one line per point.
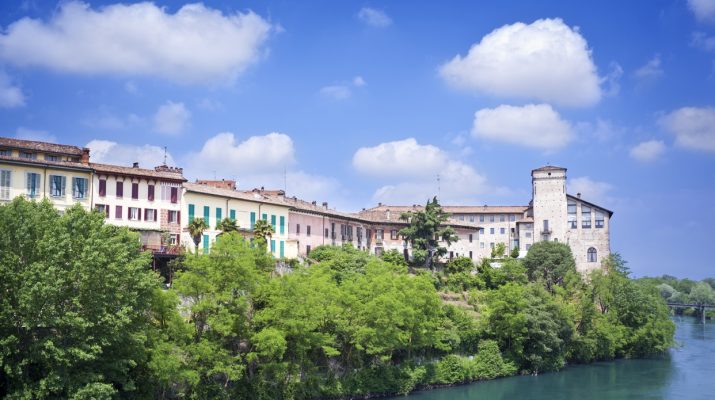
pixel 356 103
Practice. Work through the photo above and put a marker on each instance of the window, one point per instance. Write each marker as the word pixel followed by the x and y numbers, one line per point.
pixel 206 244
pixel 326 232
pixel 191 213
pixel 79 188
pixel 502 218
pixel 57 185
pixel 102 208
pixel 253 219
pixel 599 219
pixel 481 245
pixel 273 223
pixel 28 155
pixel 232 215
pixel 5 184
pixel 491 245
pixel 393 234
pixel 461 217
pixel 264 217
pixel 481 218
pixel 33 185
pixel 5 152
pixel 470 254
pixel 379 233
pixel 281 249
pixel 546 226
pixel 174 193
pixel 591 255
pixel 571 207
pixel 52 157
pixel 207 214
pixel 471 218
pixel 135 190
pixel 297 229
pixel 120 189
pixel 585 217
pixel 527 247
pixel 481 231
pixel 470 238
pixel 307 230
pixel 150 193
pixel 502 231
pixel 173 217
pixel 273 246
pixel 219 215
pixel 282 224
pixel 307 250
pixel 451 255
pixel 102 187
pixel 491 231
pixel 527 234
pixel 491 218
pixel 118 212
pixel 134 214
pixel 149 214
pixel 512 218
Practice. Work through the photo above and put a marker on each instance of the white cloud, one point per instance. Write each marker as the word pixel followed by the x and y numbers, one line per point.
pixel 257 155
pixel 337 92
pixel 171 118
pixel 651 70
pixel 358 81
pixel 11 96
pixel 209 104
pixel 399 159
pixel 304 185
pixel 703 41
pixel 374 17
pixel 533 125
pixel 131 87
pixel 109 152
pixel 693 127
pixel 648 151
pixel 197 44
pixel 545 60
pixel 592 191
pixel 105 119
pixel 34 134
pixel 704 10
pixel 611 82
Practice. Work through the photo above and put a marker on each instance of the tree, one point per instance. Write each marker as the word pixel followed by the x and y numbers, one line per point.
pixel 459 265
pixel 427 228
pixel 514 252
pixel 498 250
pixel 393 256
pixel 262 232
pixel 196 230
pixel 550 263
pixel 74 301
pixel 227 225
pixel 702 294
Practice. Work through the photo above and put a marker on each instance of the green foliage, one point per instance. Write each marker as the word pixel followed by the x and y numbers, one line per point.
pixel 702 294
pixel 262 232
pixel 551 264
pixel 394 257
pixel 514 252
pixel 499 250
pixel 196 230
pixel 75 294
pixel 227 225
pixel 459 265
pixel 425 232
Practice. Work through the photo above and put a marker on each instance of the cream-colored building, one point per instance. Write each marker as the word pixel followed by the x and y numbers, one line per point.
pixel 214 204
pixel 39 170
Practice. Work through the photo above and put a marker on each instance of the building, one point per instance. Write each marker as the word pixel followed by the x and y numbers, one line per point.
pixel 213 204
pixel 39 170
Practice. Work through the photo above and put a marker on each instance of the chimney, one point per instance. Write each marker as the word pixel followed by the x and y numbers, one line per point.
pixel 388 215
pixel 578 195
pixel 85 156
pixel 379 204
pixel 135 165
pixel 325 205
pixel 314 203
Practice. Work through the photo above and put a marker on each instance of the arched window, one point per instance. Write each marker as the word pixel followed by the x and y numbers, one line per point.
pixel 592 255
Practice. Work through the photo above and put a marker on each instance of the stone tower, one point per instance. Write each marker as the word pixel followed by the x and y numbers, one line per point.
pixel 548 185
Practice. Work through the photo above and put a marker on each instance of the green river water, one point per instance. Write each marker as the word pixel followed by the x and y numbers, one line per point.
pixel 686 372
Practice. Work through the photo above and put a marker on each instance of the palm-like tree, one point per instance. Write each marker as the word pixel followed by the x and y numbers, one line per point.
pixel 227 225
pixel 262 231
pixel 196 230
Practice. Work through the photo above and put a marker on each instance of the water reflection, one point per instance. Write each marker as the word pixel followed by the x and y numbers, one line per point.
pixel 686 372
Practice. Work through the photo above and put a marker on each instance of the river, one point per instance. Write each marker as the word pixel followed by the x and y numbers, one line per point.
pixel 685 372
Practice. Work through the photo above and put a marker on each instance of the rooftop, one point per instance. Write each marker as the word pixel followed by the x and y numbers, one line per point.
pixel 485 209
pixel 162 172
pixel 40 146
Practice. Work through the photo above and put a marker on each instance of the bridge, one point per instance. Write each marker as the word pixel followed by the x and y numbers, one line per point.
pixel 700 307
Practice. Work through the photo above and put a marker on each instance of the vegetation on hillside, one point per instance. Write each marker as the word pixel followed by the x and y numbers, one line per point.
pixel 82 316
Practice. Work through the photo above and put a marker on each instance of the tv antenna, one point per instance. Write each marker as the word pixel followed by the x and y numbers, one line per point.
pixel 164 155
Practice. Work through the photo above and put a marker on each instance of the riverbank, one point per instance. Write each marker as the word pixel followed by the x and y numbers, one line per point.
pixel 684 372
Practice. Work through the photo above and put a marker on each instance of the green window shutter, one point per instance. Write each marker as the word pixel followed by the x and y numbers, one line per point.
pixel 191 212
pixel 232 215
pixel 273 246
pixel 265 217
pixel 206 244
pixel 253 219
pixel 273 223
pixel 283 226
pixel 207 212
pixel 282 249
pixel 218 215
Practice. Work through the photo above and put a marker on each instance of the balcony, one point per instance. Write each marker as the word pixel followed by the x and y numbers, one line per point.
pixel 168 250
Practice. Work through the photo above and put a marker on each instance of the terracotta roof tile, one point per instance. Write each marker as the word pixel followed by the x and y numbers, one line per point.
pixel 143 172
pixel 40 146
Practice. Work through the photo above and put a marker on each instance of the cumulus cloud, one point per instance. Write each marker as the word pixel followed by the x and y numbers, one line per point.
pixel 648 151
pixel 399 159
pixel 109 152
pixel 11 96
pixel 651 70
pixel 197 44
pixel 533 125
pixel 358 81
pixel 374 17
pixel 35 134
pixel 546 60
pixel 171 118
pixel 693 127
pixel 591 190
pixel 704 10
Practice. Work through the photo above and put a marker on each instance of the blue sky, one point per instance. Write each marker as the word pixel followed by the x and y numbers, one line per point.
pixel 366 102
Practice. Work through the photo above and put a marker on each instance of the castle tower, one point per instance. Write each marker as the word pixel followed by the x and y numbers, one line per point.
pixel 549 203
